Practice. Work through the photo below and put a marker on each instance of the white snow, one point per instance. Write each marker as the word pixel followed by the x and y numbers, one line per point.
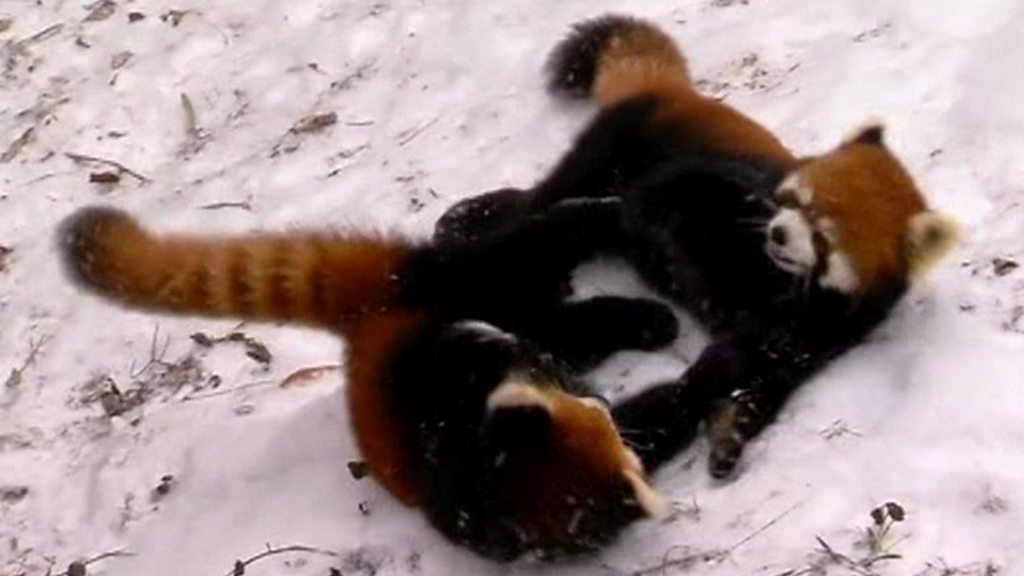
pixel 437 100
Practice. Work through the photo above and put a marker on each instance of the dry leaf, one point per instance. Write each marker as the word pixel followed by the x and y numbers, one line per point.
pixel 1003 266
pixel 304 376
pixel 174 17
pixel 117 61
pixel 101 11
pixel 105 177
pixel 315 123
pixel 5 251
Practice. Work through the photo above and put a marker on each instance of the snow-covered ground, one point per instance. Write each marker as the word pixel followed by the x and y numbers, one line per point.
pixel 220 111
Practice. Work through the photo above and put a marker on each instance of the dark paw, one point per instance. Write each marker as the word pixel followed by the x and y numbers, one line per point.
pixel 725 456
pixel 477 217
pixel 730 426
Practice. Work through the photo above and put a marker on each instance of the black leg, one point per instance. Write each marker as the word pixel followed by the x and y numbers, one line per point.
pixel 584 333
pixel 752 373
pixel 661 421
pixel 475 218
pixel 621 144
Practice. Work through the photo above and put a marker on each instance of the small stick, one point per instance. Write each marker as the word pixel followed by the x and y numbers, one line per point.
pixel 33 350
pixel 244 205
pixel 762 529
pixel 156 358
pixel 82 158
pixel 94 559
pixel 683 562
pixel 240 565
pixel 191 125
pixel 844 560
pixel 15 148
pixel 43 34
pixel 192 397
pixel 411 135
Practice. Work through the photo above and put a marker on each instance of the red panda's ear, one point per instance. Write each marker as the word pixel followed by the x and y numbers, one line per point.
pixel 871 133
pixel 930 236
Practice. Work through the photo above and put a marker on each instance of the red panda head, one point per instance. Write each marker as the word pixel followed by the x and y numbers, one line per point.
pixel 854 221
pixel 563 475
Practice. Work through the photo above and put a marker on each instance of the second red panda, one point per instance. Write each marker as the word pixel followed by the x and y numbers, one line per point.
pixel 471 423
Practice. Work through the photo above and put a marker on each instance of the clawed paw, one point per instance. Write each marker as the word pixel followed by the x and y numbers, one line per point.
pixel 725 457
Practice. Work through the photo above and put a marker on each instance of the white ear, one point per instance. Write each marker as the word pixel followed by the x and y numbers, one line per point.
pixel 653 503
pixel 518 395
pixel 930 236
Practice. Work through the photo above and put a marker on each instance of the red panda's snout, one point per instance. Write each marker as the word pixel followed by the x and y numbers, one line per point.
pixel 854 220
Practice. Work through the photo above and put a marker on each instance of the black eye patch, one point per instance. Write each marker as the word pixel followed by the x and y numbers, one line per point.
pixel 786 198
pixel 822 248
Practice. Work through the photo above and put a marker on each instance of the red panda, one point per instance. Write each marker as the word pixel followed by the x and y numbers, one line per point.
pixel 476 426
pixel 787 260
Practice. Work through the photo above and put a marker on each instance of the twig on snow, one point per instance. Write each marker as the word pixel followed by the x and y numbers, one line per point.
pixel 85 158
pixel 244 205
pixel 682 562
pixel 844 560
pixel 156 356
pixel 764 528
pixel 44 34
pixel 16 147
pixel 194 396
pixel 34 346
pixel 411 134
pixel 691 559
pixel 77 568
pixel 240 565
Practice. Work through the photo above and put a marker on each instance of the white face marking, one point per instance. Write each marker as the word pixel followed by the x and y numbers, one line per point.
pixel 839 274
pixel 634 461
pixel 652 502
pixel 484 332
pixel 789 243
pixel 794 185
pixel 594 403
pixel 515 394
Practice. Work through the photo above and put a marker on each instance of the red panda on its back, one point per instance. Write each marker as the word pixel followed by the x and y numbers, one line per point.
pixel 788 261
pixel 474 425
pixel 858 196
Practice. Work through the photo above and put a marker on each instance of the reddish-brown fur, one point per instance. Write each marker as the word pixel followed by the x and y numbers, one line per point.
pixel 372 343
pixel 310 279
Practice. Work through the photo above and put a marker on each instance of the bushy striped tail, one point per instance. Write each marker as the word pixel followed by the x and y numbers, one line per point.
pixel 612 58
pixel 316 280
